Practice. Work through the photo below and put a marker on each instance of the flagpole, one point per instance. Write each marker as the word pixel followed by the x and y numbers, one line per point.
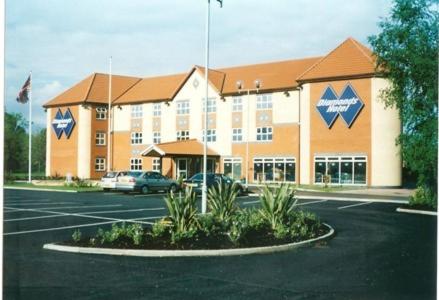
pixel 109 120
pixel 30 129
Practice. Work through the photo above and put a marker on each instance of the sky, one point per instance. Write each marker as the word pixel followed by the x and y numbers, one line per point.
pixel 62 42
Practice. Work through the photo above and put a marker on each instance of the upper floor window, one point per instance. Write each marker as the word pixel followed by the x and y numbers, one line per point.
pixel 136 138
pixel 101 113
pixel 183 107
pixel 211 105
pixel 157 109
pixel 263 101
pixel 100 138
pixel 211 135
pixel 264 133
pixel 237 134
pixel 156 137
pixel 182 135
pixel 237 104
pixel 136 111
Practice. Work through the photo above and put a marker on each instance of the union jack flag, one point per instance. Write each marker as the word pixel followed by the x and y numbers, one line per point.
pixel 23 94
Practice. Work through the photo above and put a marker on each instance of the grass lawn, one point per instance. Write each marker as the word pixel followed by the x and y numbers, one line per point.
pixel 51 187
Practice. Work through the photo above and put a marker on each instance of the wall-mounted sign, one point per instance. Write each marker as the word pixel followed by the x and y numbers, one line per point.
pixel 63 123
pixel 348 105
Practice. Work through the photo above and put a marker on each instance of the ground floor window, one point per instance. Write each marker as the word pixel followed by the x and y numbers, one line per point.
pixel 99 164
pixel 275 169
pixel 340 169
pixel 135 164
pixel 232 167
pixel 156 166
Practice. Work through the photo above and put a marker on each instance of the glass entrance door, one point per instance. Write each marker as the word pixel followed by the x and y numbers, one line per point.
pixel 182 167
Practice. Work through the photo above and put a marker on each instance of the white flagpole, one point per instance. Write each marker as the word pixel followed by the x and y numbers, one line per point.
pixel 30 128
pixel 109 121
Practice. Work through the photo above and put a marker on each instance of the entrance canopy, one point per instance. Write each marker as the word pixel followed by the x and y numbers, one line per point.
pixel 178 148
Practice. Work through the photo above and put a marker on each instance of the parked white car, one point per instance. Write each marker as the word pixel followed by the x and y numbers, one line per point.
pixel 108 182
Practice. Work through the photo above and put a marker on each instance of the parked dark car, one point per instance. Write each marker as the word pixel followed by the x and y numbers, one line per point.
pixel 144 182
pixel 212 179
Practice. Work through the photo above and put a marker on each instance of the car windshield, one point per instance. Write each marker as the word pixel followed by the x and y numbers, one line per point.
pixel 199 176
pixel 134 174
pixel 110 175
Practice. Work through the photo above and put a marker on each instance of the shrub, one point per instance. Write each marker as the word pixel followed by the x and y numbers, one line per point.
pixel 182 211
pixel 160 228
pixel 423 197
pixel 276 204
pixel 135 232
pixel 76 236
pixel 221 201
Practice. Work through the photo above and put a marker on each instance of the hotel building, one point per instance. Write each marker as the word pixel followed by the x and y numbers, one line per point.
pixel 292 121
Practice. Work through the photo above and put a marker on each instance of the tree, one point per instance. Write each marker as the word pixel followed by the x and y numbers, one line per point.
pixel 406 52
pixel 15 143
pixel 39 151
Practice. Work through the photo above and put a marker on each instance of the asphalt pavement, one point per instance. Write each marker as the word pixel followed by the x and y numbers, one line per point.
pixel 376 253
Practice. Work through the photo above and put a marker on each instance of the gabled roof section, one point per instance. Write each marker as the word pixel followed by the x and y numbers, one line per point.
pixel 216 78
pixel 349 59
pixel 94 89
pixel 177 148
pixel 150 89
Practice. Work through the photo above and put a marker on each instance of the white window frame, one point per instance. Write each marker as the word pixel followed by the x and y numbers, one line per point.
pixel 156 109
pixel 136 138
pixel 100 138
pixel 262 136
pixel 273 161
pixel 237 104
pixel 156 137
pixel 183 107
pixel 211 105
pixel 233 161
pixel 100 164
pixel 182 135
pixel 264 101
pixel 236 135
pixel 211 135
pixel 156 166
pixel 101 113
pixel 135 164
pixel 340 159
pixel 136 111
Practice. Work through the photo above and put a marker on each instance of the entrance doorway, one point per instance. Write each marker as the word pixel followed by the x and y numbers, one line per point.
pixel 182 167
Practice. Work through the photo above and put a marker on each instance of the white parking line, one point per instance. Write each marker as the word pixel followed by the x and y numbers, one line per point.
pixel 149 195
pixel 250 202
pixel 27 200
pixel 306 203
pixel 42 203
pixel 67 207
pixel 353 205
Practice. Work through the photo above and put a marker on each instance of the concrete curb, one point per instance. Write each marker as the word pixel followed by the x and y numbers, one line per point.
pixel 416 211
pixel 46 190
pixel 189 253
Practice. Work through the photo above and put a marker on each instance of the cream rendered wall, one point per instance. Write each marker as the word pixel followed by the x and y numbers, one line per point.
pixel 286 109
pixel 84 140
pixel 168 122
pixel 248 118
pixel 386 126
pixel 147 136
pixel 122 117
pixel 305 130
pixel 48 139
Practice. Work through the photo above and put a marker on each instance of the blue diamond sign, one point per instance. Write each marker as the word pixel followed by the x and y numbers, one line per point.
pixel 348 105
pixel 63 123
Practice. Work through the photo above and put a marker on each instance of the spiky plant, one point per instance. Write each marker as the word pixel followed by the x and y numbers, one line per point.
pixel 182 211
pixel 221 201
pixel 276 204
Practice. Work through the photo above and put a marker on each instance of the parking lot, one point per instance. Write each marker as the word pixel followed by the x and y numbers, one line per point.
pixel 376 254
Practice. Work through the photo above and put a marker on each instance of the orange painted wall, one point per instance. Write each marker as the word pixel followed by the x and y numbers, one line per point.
pixel 339 138
pixel 64 151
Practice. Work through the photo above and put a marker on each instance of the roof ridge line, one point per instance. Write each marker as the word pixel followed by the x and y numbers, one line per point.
pixel 89 87
pixel 138 80
pixel 356 43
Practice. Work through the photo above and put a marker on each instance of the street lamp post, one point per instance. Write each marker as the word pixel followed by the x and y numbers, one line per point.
pixel 240 86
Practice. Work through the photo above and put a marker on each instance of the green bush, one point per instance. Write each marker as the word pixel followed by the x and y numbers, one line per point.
pixel 182 211
pixel 221 201
pixel 276 204
pixel 135 232
pixel 76 236
pixel 160 228
pixel 423 197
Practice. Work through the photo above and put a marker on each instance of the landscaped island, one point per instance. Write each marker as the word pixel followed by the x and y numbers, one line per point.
pixel 226 226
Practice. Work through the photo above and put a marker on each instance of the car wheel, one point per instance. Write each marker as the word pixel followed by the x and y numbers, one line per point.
pixel 173 188
pixel 144 190
pixel 106 189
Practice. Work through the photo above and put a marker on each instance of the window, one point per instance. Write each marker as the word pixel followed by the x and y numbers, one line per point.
pixel 264 133
pixel 232 167
pixel 156 137
pixel 275 169
pixel 263 101
pixel 136 111
pixel 340 169
pixel 101 113
pixel 182 135
pixel 100 138
pixel 136 138
pixel 237 134
pixel 211 105
pixel 237 104
pixel 99 164
pixel 211 135
pixel 156 166
pixel 157 109
pixel 183 107
pixel 135 164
